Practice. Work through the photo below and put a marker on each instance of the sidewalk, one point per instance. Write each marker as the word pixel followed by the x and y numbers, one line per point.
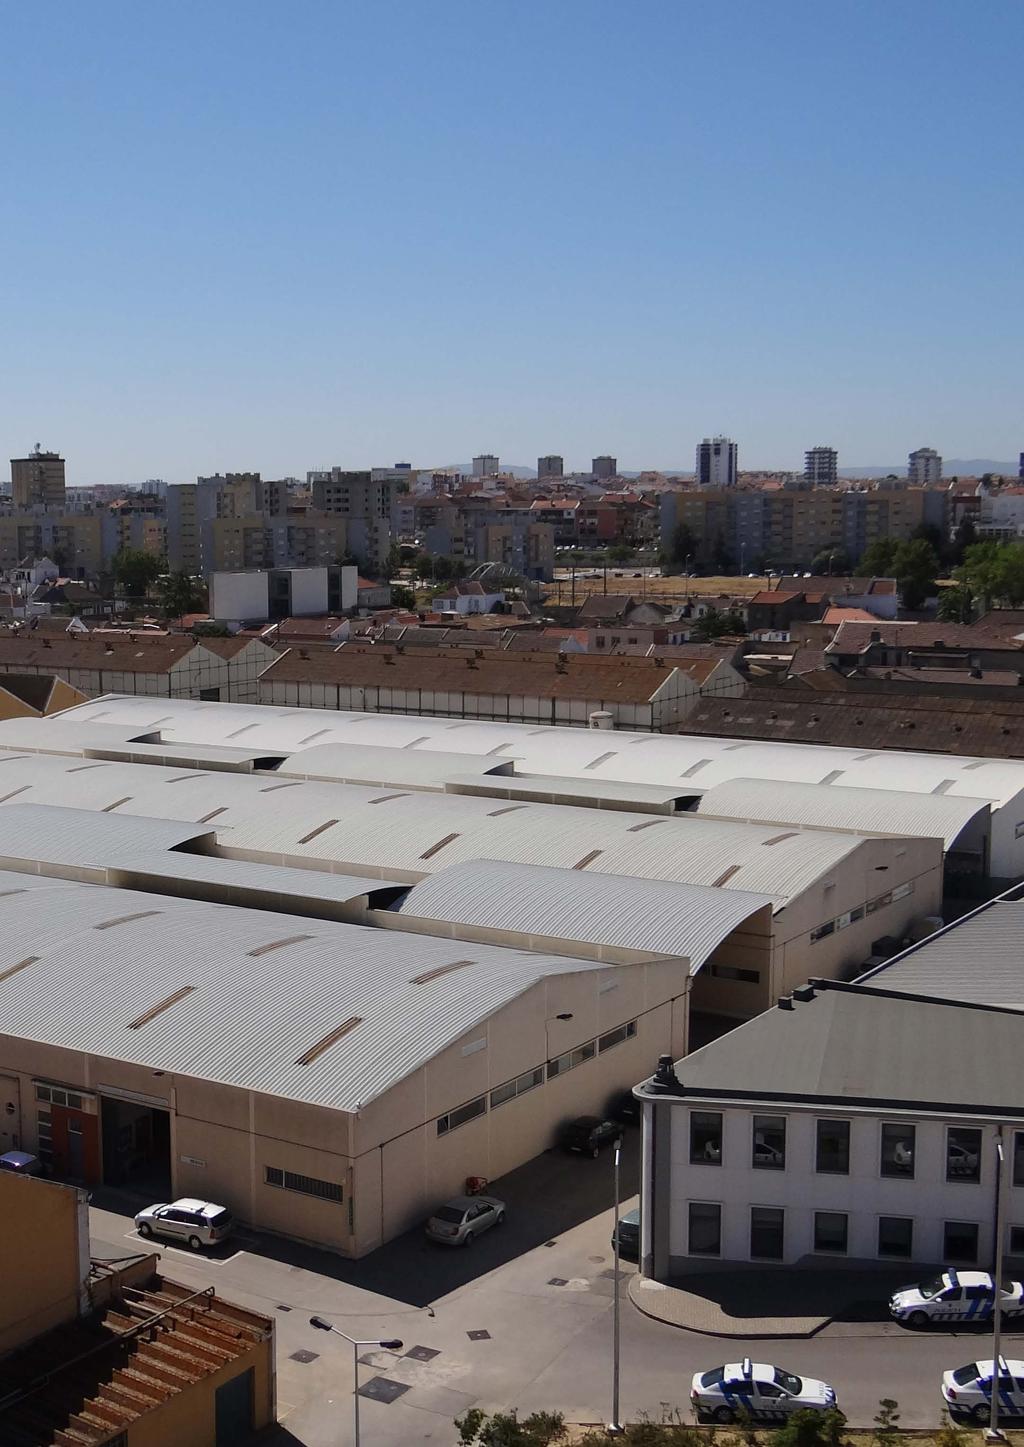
pixel 771 1302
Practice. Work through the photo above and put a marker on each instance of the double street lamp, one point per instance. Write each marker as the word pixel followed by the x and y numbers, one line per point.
pixel 391 1344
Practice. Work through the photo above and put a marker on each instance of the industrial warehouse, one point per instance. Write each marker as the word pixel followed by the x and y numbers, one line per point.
pixel 419 937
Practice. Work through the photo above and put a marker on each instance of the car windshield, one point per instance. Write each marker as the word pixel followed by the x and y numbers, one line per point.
pixel 449 1213
pixel 963 1375
pixel 928 1289
pixel 714 1378
pixel 788 1382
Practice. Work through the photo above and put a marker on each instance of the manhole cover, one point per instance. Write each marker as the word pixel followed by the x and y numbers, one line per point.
pixel 282 1307
pixel 550 1243
pixel 479 1335
pixel 596 1259
pixel 557 1281
pixel 304 1357
pixel 423 1354
pixel 612 1275
pixel 383 1389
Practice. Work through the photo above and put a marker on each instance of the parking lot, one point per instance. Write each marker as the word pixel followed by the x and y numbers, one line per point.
pixel 522 1318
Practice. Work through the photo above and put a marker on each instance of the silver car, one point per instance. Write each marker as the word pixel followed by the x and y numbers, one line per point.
pixel 196 1223
pixel 459 1221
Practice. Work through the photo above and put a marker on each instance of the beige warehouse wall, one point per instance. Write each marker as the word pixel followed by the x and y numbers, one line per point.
pixel 42 1255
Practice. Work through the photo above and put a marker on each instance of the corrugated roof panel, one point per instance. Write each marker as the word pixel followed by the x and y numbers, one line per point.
pixel 644 915
pixel 247 1019
pixel 980 958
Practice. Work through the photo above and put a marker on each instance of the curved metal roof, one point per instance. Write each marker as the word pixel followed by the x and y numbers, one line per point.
pixel 405 834
pixel 685 920
pixel 661 759
pixel 245 1003
pixel 880 811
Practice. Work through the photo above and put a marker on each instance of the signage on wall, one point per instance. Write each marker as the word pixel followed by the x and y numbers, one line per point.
pixel 191 1161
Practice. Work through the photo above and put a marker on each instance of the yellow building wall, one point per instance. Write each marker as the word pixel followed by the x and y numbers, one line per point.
pixel 189 1419
pixel 41 1257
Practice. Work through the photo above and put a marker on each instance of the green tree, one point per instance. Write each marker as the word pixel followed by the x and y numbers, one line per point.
pixel 179 594
pixel 684 547
pixel 814 1429
pixel 721 557
pixel 402 597
pixel 956 604
pixel 966 536
pixel 913 564
pixel 715 624
pixel 831 562
pixel 879 561
pixel 886 1421
pixel 620 553
pixel 504 1429
pixel 995 573
pixel 135 571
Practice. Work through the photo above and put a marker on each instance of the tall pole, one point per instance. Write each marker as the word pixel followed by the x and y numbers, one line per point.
pixel 388 1344
pixel 355 1393
pixel 994 1434
pixel 615 1427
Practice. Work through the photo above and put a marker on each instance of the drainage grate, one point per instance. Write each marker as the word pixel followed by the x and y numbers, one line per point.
pixel 558 1281
pixel 304 1357
pixel 281 1307
pixel 479 1335
pixel 383 1389
pixel 612 1275
pixel 550 1243
pixel 423 1354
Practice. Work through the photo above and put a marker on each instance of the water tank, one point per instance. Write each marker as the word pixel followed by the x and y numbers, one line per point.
pixel 601 719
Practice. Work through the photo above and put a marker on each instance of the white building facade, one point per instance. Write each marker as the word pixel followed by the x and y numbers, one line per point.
pixel 717 460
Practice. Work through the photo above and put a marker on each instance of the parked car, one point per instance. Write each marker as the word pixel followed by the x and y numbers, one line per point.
pixel 960 1160
pixel 967 1391
pixel 757 1389
pixel 461 1220
pixel 22 1163
pixel 628 1231
pixel 625 1108
pixel 197 1223
pixel 589 1135
pixel 955 1296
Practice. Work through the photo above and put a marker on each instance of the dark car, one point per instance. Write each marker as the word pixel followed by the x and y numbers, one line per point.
pixel 625 1107
pixel 628 1232
pixel 589 1134
pixel 21 1162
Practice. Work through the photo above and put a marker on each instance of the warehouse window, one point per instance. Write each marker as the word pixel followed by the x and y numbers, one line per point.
pixel 1018 1158
pixel 616 1036
pixel 823 930
pixel 960 1241
pixel 571 1059
pixel 830 1232
pixel 461 1115
pixel 895 1236
pixel 833 1147
pixel 307 1185
pixel 519 1086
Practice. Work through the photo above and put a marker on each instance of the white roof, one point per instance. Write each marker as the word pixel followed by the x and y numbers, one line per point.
pixel 405 834
pixel 881 811
pixel 363 763
pixel 242 1002
pixel 646 915
pixel 664 759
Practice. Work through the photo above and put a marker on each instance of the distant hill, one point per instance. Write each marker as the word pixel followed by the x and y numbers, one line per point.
pixel 951 467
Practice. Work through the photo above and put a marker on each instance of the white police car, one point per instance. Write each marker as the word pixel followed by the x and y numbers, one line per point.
pixel 967 1392
pixel 758 1390
pixel 955 1296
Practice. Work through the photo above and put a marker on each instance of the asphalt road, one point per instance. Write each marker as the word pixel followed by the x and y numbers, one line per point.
pixel 522 1319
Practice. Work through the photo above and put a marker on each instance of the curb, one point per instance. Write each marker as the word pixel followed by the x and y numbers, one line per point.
pixel 641 1296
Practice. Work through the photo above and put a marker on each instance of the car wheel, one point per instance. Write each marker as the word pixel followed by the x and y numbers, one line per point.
pixel 918 1318
pixel 499 1219
pixel 145 1229
pixel 467 1240
pixel 724 1414
pixel 194 1243
pixel 981 1412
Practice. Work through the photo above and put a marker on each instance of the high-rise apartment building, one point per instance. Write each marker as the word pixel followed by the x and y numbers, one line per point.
pixel 605 467
pixel 550 466
pixel 924 467
pixel 821 466
pixel 364 502
pixel 717 462
pixel 37 480
pixel 485 465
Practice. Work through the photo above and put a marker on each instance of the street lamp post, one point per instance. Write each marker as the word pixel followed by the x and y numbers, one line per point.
pixel 615 1427
pixel 392 1344
pixel 994 1433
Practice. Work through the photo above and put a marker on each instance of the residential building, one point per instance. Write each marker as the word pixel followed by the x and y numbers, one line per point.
pixel 184 536
pixel 486 465
pixel 605 466
pixel 468 597
pixel 99 1351
pixel 258 595
pixel 717 459
pixel 821 467
pixel 552 466
pixel 365 504
pixel 37 480
pixel 848 1123
pixel 924 467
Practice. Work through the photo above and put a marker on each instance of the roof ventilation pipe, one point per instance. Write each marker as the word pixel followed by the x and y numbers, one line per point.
pixel 600 719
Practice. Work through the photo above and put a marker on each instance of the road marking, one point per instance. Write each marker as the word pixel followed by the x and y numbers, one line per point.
pixel 165 1247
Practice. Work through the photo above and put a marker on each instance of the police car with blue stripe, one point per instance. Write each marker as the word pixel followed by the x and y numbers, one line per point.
pixel 756 1390
pixel 967 1392
pixel 956 1296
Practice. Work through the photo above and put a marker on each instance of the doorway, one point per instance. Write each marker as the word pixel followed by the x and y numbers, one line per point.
pixel 136 1147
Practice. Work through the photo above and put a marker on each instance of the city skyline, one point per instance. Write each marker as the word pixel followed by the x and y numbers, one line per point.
pixel 372 244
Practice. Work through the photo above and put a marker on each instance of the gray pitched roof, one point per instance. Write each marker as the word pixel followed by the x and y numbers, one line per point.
pixel 980 959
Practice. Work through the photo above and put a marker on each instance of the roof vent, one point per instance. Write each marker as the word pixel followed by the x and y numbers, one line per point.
pixel 876 636
pixel 785 1002
pixel 803 993
pixel 665 1080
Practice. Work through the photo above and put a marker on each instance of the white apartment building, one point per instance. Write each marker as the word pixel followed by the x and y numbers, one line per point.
pixel 848 1123
pixel 924 467
pixel 717 460
pixel 821 466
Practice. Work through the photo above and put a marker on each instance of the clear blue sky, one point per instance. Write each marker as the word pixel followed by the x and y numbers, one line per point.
pixel 282 235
